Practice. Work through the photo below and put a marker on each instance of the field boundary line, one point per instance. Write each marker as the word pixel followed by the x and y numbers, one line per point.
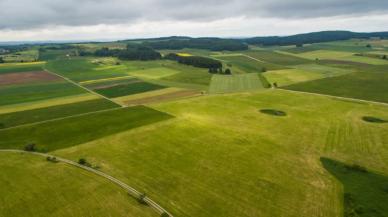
pixel 75 83
pixel 258 60
pixel 336 97
pixel 135 193
pixel 61 118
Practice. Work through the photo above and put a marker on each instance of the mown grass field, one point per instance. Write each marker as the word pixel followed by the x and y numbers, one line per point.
pixel 52 112
pixel 241 64
pixel 241 162
pixel 277 58
pixel 128 89
pixel 235 83
pixel 79 129
pixel 360 85
pixel 34 187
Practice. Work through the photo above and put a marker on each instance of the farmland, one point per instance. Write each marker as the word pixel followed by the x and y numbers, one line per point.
pixel 277 131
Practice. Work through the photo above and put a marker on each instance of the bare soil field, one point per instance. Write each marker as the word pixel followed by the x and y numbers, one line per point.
pixel 26 77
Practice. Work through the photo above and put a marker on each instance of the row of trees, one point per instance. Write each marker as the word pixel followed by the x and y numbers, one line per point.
pixel 315 37
pixel 197 61
pixel 133 52
pixel 214 44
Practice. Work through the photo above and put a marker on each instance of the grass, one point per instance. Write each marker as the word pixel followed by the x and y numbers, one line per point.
pixel 128 89
pixel 72 131
pixel 235 83
pixel 20 67
pixel 277 58
pixel 291 76
pixel 21 56
pixel 241 64
pixel 37 91
pixel 226 158
pixel 32 186
pixel 360 85
pixel 154 73
pixel 52 112
pixel 325 54
pixel 47 103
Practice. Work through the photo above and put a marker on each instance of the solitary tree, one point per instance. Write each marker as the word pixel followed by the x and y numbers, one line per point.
pixel 1 60
pixel 228 72
pixel 275 85
pixel 82 161
pixel 368 46
pixel 384 57
pixel 263 69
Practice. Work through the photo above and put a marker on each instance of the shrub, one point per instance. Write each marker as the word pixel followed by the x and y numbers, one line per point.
pixel 30 147
pixel 228 72
pixel 52 159
pixel 165 215
pixel 142 198
pixel 84 162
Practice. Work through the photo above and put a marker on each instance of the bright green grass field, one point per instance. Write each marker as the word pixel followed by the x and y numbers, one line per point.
pixel 47 113
pixel 71 131
pixel 360 85
pixel 303 73
pixel 34 187
pixel 222 157
pixel 83 69
pixel 235 83
pixel 128 89
pixel 20 67
pixel 242 64
pixel 277 58
pixel 37 91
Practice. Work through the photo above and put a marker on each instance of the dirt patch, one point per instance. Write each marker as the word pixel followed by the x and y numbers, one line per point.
pixel 163 97
pixel 26 77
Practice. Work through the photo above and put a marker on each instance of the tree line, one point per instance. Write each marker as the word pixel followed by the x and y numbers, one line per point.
pixel 132 52
pixel 213 44
pixel 196 61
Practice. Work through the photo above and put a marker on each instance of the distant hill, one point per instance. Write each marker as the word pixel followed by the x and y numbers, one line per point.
pixel 314 37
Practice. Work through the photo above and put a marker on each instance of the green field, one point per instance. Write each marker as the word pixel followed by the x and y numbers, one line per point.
pixel 241 162
pixel 128 89
pixel 42 188
pixel 235 83
pixel 37 91
pixel 360 85
pixel 47 113
pixel 199 144
pixel 80 129
pixel 20 67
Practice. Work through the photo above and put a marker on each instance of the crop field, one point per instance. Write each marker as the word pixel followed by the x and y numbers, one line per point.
pixel 235 83
pixel 276 164
pixel 367 86
pixel 20 67
pixel 38 186
pixel 22 56
pixel 132 86
pixel 52 112
pixel 241 64
pixel 66 132
pixel 277 58
pixel 199 144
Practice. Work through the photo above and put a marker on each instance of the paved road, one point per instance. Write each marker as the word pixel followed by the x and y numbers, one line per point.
pixel 126 187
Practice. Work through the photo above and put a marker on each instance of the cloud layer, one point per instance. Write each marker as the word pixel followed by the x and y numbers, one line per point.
pixel 27 14
pixel 53 19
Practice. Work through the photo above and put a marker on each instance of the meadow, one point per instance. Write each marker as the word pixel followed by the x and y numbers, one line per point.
pixel 241 162
pixel 198 143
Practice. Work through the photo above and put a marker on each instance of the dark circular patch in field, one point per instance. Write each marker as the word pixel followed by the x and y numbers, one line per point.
pixel 273 112
pixel 374 120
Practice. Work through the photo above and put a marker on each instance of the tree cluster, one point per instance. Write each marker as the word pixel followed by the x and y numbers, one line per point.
pixel 213 44
pixel 133 52
pixel 315 37
pixel 196 61
pixel 1 60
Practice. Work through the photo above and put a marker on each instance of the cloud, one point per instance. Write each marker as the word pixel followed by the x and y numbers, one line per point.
pixel 27 14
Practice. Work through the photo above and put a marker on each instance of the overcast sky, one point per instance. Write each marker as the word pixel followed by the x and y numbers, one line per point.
pixel 118 19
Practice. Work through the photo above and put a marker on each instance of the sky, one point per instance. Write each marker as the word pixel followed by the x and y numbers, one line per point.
pixel 40 20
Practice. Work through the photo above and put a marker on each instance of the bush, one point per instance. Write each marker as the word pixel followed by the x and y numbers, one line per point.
pixel 30 147
pixel 228 72
pixel 142 198
pixel 84 162
pixel 164 215
pixel 52 159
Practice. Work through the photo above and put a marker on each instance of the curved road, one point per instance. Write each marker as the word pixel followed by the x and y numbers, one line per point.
pixel 128 188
